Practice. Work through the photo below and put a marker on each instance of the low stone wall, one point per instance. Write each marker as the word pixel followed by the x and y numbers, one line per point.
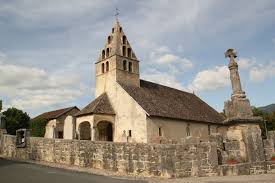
pixel 139 159
pixel 192 158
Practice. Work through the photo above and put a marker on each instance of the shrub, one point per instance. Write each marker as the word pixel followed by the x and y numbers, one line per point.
pixel 38 127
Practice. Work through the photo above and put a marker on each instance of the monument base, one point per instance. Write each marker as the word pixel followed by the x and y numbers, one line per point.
pixel 238 107
pixel 248 133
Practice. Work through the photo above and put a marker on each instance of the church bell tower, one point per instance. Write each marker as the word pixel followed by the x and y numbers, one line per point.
pixel 117 62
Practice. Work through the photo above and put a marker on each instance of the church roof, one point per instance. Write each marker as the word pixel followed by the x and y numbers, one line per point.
pixel 101 105
pixel 55 114
pixel 162 101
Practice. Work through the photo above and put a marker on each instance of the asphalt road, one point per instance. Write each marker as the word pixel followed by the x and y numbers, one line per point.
pixel 20 172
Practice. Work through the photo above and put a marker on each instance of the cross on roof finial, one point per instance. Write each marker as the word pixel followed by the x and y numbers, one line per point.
pixel 117 13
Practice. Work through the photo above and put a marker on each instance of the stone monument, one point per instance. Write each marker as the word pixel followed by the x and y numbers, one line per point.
pixel 242 125
pixel 239 106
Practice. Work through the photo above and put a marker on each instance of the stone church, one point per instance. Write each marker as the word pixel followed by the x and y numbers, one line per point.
pixel 129 109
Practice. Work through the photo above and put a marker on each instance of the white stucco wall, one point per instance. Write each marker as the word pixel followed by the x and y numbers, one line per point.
pixel 129 115
pixel 50 132
pixel 176 129
pixel 69 127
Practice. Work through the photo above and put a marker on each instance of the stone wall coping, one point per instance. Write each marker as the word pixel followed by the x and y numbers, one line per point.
pixel 232 121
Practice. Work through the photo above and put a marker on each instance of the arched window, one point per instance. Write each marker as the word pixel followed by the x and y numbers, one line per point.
pixel 120 29
pixel 107 52
pixel 123 50
pixel 85 131
pixel 102 68
pixel 130 67
pixel 103 54
pixel 124 65
pixel 124 39
pixel 129 52
pixel 107 66
pixel 188 130
pixel 109 39
pixel 113 30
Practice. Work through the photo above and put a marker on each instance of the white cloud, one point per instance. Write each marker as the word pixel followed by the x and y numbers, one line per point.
pixel 164 56
pixel 211 79
pixel 167 67
pixel 44 13
pixel 167 58
pixel 262 72
pixel 163 78
pixel 162 49
pixel 246 63
pixel 34 88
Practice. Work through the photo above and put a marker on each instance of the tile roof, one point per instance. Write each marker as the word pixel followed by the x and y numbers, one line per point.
pixel 101 105
pixel 54 114
pixel 162 101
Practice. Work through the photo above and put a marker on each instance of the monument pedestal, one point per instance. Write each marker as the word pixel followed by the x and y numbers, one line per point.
pixel 248 133
pixel 242 126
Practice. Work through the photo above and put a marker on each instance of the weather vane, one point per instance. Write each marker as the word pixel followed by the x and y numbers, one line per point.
pixel 117 13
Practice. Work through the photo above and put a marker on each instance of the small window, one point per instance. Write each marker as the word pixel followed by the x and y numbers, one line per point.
pixel 209 130
pixel 160 131
pixel 109 39
pixel 102 67
pixel 107 66
pixel 107 52
pixel 129 51
pixel 120 29
pixel 188 130
pixel 130 67
pixel 113 30
pixel 60 134
pixel 124 65
pixel 124 39
pixel 124 51
pixel 130 133
pixel 103 54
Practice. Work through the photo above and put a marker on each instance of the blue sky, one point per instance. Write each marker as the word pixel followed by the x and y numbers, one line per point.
pixel 48 48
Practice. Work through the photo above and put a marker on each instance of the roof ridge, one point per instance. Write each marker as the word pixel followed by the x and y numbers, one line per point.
pixel 67 110
pixel 97 105
pixel 167 87
pixel 56 113
pixel 59 109
pixel 163 101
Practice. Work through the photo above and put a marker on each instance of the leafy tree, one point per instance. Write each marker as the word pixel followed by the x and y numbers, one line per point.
pixel 38 127
pixel 15 119
pixel 269 119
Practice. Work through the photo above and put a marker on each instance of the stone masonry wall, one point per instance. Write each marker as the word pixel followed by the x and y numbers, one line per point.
pixel 138 159
pixel 192 158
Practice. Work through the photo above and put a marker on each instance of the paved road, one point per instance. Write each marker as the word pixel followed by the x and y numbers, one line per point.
pixel 19 172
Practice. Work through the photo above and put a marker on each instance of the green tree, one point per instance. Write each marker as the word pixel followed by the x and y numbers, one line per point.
pixel 38 127
pixel 15 119
pixel 269 120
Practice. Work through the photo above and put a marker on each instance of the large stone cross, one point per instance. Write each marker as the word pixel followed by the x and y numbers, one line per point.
pixel 231 53
pixel 234 74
